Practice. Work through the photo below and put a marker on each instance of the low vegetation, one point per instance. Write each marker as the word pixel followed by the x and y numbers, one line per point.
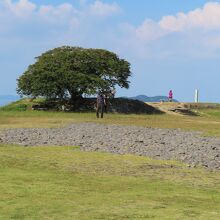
pixel 65 183
pixel 20 114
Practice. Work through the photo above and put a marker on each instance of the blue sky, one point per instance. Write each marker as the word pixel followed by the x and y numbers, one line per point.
pixel 172 44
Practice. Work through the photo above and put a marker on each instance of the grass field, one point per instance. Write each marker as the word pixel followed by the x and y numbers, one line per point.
pixel 208 123
pixel 65 183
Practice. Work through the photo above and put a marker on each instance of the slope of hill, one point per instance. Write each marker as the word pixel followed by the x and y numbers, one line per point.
pixel 117 105
pixel 145 98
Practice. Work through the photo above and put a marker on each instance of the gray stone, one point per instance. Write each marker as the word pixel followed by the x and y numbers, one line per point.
pixel 173 144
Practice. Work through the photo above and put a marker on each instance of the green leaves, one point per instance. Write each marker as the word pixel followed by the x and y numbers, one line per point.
pixel 73 71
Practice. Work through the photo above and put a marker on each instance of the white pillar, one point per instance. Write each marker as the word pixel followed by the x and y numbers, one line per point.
pixel 196 96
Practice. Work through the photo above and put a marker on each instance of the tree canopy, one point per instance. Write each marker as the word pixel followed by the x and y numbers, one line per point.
pixel 73 72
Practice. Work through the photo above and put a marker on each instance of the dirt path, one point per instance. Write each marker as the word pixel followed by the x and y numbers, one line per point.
pixel 173 108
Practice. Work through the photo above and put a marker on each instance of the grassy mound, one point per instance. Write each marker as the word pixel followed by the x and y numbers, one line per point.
pixel 122 105
pixel 118 105
pixel 22 105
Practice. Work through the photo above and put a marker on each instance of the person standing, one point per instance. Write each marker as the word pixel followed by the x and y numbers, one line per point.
pixel 100 103
pixel 170 97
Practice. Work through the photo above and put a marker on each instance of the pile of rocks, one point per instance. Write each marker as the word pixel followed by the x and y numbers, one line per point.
pixel 168 144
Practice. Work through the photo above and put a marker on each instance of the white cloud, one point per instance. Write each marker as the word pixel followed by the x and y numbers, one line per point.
pixel 83 24
pixel 195 34
pixel 61 13
pixel 63 22
pixel 21 8
pixel 206 18
pixel 196 30
pixel 25 8
pixel 102 9
pixel 148 31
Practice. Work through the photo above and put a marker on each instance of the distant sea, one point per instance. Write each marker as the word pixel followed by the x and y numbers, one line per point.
pixel 6 99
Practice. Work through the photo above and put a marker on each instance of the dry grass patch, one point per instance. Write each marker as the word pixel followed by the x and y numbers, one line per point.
pixel 208 123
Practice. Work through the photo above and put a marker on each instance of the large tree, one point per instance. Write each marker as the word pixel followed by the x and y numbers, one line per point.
pixel 73 71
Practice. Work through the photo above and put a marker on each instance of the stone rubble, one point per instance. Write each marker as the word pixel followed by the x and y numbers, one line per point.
pixel 163 144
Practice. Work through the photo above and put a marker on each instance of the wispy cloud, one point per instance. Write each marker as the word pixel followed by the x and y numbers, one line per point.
pixel 102 9
pixel 90 23
pixel 21 8
pixel 25 19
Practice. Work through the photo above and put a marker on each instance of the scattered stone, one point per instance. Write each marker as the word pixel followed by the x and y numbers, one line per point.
pixel 167 144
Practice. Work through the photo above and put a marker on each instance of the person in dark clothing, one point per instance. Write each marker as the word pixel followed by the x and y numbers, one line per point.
pixel 100 104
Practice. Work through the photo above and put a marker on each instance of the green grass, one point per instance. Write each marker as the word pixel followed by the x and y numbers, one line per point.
pixel 208 123
pixel 64 183
pixel 212 113
pixel 13 115
pixel 21 105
